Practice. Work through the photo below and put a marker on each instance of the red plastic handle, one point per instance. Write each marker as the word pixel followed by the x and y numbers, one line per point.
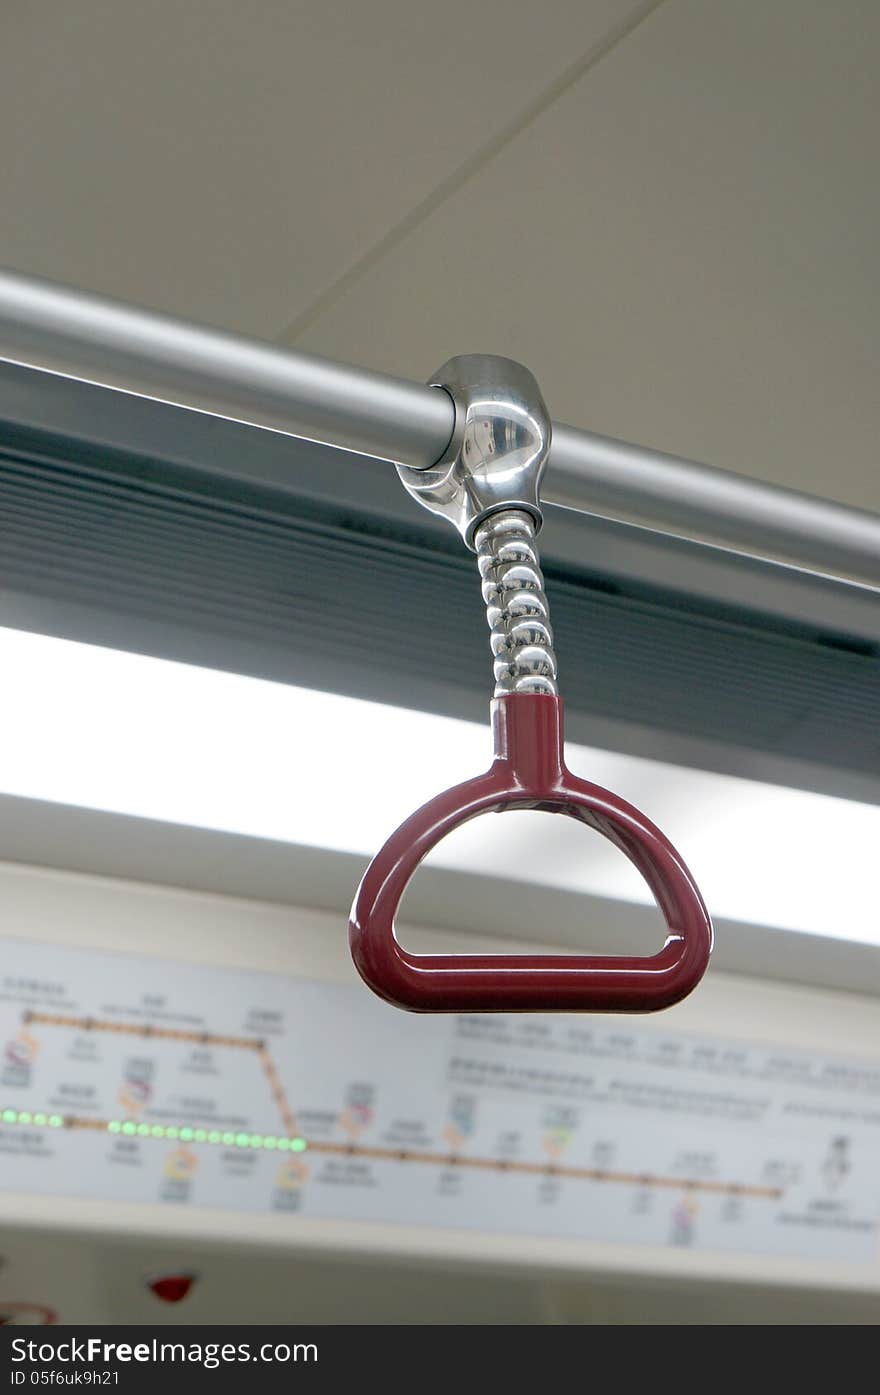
pixel 529 772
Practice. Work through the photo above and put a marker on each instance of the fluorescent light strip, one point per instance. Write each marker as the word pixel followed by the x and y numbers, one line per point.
pixel 119 732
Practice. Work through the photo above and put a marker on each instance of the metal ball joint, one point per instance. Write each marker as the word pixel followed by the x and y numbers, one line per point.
pixel 516 604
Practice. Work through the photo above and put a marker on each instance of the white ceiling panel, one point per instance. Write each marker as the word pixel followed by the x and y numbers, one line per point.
pixel 227 160
pixel 683 247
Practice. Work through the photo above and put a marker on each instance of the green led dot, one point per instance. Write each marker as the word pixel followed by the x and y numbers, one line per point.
pixel 55 1121
pixel 242 1140
pixel 40 1119
pixel 129 1128
pixel 157 1131
pixel 213 1136
pixel 229 1139
pixel 270 1142
pixel 256 1140
pixel 25 1116
pixel 298 1145
pixel 114 1126
pixel 284 1144
pixel 171 1131
pixel 9 1116
pixel 186 1135
pixel 200 1135
pixel 143 1130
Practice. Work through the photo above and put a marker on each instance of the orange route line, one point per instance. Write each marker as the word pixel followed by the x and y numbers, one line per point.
pixel 545 1169
pixel 97 1024
pixel 278 1093
pixel 550 1170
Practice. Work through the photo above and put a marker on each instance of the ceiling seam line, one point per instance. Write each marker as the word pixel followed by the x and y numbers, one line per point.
pixel 464 172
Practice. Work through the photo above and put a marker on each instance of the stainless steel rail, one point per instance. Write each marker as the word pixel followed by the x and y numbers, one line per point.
pixel 89 338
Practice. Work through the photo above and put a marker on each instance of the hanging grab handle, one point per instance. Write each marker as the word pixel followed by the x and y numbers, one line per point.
pixel 488 485
pixel 529 772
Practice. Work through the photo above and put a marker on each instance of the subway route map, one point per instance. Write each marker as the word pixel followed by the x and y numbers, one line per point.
pixel 135 1079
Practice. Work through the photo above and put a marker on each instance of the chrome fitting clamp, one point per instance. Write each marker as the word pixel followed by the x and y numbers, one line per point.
pixel 499 445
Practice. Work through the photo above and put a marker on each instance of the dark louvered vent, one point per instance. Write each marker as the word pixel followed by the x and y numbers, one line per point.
pixel 316 603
